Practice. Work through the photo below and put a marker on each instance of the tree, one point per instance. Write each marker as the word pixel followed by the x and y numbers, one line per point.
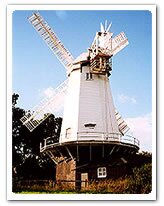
pixel 18 149
pixel 26 158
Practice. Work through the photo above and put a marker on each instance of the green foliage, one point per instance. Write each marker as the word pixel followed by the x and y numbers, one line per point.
pixel 27 161
pixel 145 154
pixel 141 181
pixel 14 99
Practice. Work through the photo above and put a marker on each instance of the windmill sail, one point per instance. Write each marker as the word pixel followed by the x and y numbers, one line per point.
pixel 119 42
pixel 51 40
pixel 45 108
pixel 123 127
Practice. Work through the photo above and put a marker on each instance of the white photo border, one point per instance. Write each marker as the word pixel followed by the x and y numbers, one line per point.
pixel 13 196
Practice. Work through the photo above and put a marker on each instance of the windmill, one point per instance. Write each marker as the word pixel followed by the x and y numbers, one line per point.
pixel 90 120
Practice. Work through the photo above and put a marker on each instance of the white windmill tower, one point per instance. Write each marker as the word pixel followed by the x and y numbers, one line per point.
pixel 89 114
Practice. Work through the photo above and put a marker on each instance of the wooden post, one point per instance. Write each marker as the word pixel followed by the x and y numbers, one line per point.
pixel 103 151
pixel 77 152
pixel 90 152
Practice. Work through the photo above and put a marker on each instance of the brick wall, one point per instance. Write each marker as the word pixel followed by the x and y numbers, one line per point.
pixel 65 171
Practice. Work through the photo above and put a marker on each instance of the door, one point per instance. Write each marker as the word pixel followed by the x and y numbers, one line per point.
pixel 84 180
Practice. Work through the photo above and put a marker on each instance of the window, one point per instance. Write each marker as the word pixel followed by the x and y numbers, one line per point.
pixel 68 133
pixel 90 125
pixel 89 76
pixel 101 172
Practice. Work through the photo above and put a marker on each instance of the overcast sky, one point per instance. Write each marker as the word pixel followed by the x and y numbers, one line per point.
pixel 36 70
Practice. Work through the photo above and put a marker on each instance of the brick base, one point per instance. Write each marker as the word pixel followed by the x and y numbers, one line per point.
pixel 66 171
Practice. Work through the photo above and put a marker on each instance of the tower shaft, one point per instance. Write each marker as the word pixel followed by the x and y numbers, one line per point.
pixel 89 113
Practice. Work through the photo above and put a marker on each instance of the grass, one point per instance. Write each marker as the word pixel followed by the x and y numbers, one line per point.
pixel 45 192
pixel 59 192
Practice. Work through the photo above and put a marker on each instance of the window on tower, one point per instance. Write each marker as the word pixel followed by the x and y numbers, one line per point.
pixel 90 125
pixel 68 133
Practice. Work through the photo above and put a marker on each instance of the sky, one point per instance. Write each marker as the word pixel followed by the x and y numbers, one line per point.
pixel 36 70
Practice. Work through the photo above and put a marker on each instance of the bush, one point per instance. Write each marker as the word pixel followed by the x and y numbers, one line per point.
pixel 141 181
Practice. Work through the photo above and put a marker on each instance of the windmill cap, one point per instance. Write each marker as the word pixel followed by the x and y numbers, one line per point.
pixel 82 57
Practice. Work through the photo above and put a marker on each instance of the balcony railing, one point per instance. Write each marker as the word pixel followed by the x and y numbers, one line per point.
pixel 110 137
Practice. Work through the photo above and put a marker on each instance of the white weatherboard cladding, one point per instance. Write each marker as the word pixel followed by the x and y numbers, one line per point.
pixel 89 111
pixel 71 108
pixel 96 107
